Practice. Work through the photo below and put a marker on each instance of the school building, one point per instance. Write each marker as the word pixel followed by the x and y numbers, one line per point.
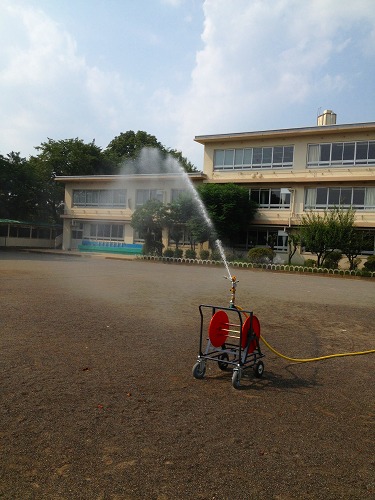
pixel 98 209
pixel 291 171
pixel 288 172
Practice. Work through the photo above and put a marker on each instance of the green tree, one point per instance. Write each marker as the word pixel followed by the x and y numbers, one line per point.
pixel 184 162
pixel 139 152
pixel 71 157
pixel 199 231
pixel 64 157
pixel 333 230
pixel 149 220
pixel 19 189
pixel 294 240
pixel 178 213
pixel 127 146
pixel 184 215
pixel 319 233
pixel 352 240
pixel 230 209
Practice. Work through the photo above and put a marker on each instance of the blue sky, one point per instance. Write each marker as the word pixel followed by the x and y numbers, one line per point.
pixel 179 68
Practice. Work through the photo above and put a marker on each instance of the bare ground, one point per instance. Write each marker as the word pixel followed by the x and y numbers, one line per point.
pixel 98 400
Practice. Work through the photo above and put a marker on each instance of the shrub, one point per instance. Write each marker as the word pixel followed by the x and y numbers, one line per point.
pixel 260 255
pixel 236 257
pixel 168 252
pixel 204 254
pixel 190 254
pixel 369 265
pixel 178 253
pixel 365 273
pixel 215 255
pixel 310 263
pixel 332 260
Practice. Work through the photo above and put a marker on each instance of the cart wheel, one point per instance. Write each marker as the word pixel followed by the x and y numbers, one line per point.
pixel 236 378
pixel 199 369
pixel 222 364
pixel 258 369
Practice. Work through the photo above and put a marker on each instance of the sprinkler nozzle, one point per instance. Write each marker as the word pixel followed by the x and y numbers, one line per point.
pixel 233 291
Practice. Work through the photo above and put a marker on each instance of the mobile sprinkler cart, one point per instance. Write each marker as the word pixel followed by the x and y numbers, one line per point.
pixel 233 339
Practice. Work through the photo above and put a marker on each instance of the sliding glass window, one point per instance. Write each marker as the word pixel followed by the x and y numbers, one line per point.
pixel 272 198
pixel 254 158
pixel 322 198
pixel 341 154
pixel 101 198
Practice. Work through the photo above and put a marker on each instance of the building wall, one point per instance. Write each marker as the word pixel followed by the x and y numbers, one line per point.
pixel 26 234
pixel 79 219
pixel 9 242
pixel 298 177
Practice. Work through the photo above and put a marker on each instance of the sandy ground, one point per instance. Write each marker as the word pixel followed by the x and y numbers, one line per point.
pixel 98 399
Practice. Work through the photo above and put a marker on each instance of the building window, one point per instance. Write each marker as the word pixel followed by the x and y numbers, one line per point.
pixel 109 232
pixel 144 195
pixel 254 158
pixel 176 194
pixel 263 237
pixel 273 198
pixel 359 198
pixel 185 237
pixel 99 198
pixel 369 248
pixel 341 153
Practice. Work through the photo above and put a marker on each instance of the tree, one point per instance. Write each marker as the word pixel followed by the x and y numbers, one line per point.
pixel 64 157
pixel 71 157
pixel 294 240
pixel 139 152
pixel 127 146
pixel 199 231
pixel 230 209
pixel 184 162
pixel 19 189
pixel 319 233
pixel 178 213
pixel 352 240
pixel 183 215
pixel 149 220
pixel 333 230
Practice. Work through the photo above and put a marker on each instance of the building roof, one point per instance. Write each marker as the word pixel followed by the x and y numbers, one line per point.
pixel 304 131
pixel 194 176
pixel 26 223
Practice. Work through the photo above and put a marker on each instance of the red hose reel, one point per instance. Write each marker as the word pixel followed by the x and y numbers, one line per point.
pixel 220 329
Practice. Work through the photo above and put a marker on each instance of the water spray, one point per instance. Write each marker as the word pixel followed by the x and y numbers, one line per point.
pixel 151 160
pixel 206 217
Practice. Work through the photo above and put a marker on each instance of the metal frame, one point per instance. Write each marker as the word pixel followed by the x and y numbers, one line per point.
pixel 241 358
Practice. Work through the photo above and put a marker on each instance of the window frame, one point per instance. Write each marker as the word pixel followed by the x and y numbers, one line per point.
pixel 314 154
pixel 259 157
pixel 314 205
pixel 283 205
pixel 148 194
pixel 105 231
pixel 99 198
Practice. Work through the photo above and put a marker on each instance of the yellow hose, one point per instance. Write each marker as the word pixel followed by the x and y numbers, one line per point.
pixel 309 360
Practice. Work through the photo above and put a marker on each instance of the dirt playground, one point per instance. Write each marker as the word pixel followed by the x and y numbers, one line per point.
pixel 98 399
